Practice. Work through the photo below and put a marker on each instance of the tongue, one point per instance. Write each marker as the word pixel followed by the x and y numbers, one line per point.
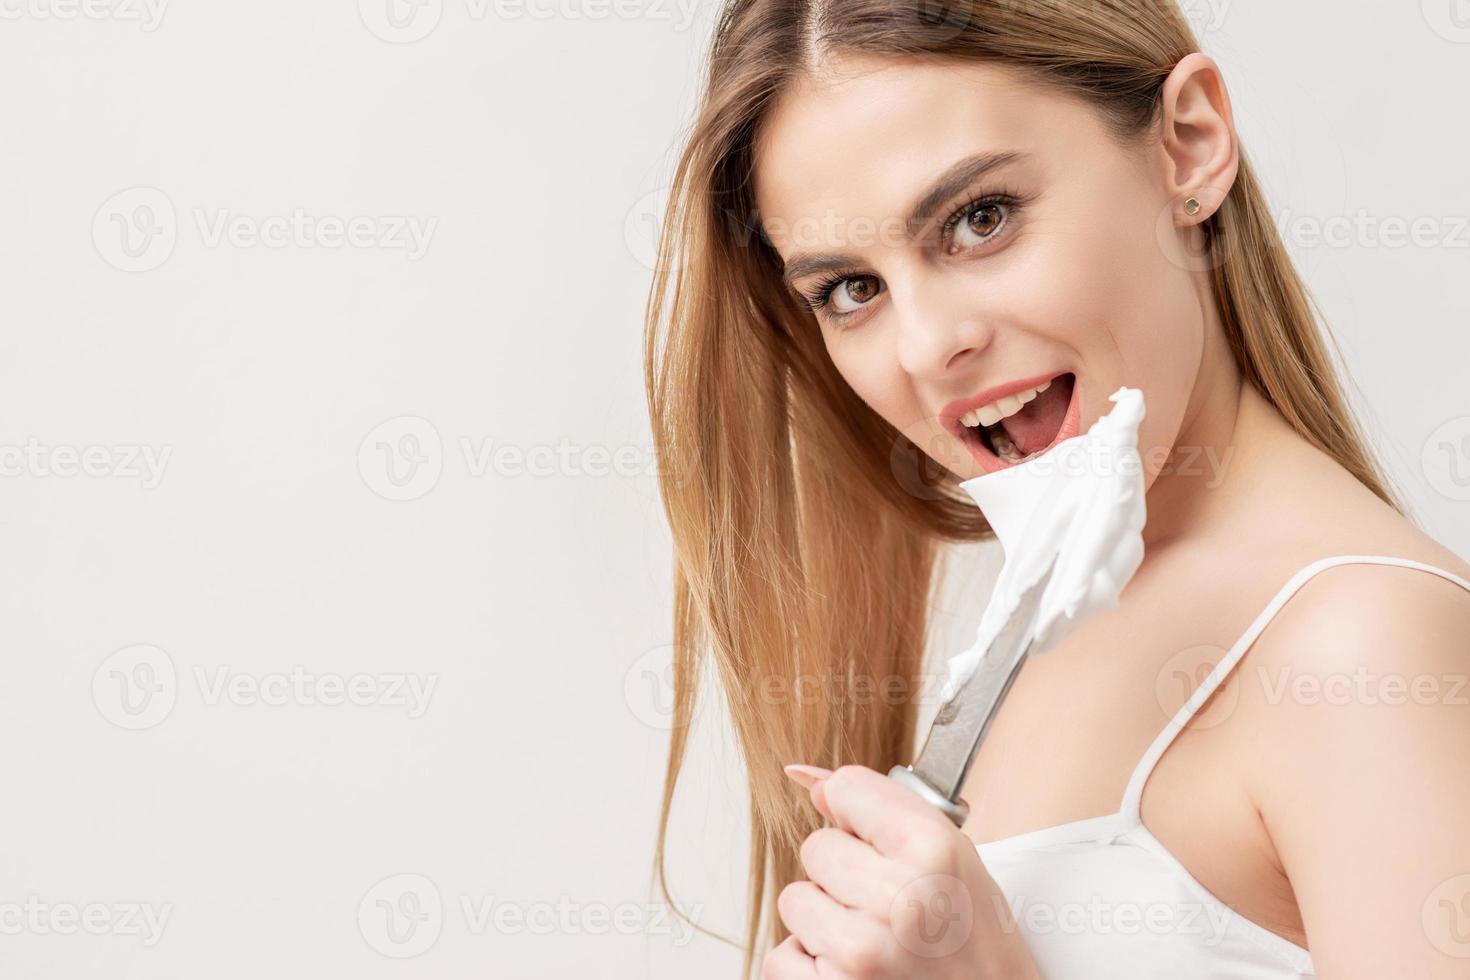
pixel 1034 427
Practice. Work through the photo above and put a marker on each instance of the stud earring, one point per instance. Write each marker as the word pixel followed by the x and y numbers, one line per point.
pixel 1192 206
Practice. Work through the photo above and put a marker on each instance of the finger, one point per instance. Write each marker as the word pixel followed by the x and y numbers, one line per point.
pixel 805 776
pixel 825 927
pixel 789 961
pixel 877 809
pixel 850 870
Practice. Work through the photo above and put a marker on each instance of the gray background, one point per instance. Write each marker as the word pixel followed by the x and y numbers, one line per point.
pixel 379 460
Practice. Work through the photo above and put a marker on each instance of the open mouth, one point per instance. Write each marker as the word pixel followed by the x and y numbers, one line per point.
pixel 1022 425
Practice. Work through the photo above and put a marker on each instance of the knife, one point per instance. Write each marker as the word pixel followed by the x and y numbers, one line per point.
pixel 963 721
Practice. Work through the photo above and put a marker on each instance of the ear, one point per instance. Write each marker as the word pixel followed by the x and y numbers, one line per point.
pixel 1198 137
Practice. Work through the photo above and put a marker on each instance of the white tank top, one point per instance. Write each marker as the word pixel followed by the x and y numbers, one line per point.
pixel 1102 898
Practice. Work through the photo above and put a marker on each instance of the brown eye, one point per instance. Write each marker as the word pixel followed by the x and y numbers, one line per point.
pixel 858 289
pixel 980 225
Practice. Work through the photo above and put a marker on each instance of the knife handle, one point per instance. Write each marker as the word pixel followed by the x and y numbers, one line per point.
pixel 958 811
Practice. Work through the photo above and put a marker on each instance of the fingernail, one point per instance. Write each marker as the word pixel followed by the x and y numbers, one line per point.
pixel 806 776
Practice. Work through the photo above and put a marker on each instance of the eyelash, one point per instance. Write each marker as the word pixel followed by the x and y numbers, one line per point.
pixel 816 298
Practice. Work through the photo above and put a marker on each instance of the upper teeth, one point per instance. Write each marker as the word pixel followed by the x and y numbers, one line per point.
pixel 1003 409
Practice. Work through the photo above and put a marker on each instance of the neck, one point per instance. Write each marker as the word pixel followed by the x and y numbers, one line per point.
pixel 1221 442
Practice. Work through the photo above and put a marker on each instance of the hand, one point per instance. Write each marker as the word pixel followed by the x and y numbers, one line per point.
pixel 895 890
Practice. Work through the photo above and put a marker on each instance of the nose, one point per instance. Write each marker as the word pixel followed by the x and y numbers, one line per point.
pixel 941 327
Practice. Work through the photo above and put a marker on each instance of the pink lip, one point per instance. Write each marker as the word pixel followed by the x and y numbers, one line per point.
pixel 989 462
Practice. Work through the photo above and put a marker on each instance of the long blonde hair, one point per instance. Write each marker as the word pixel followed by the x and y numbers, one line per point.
pixel 806 530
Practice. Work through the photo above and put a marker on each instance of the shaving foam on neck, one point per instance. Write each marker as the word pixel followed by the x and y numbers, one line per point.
pixel 1081 501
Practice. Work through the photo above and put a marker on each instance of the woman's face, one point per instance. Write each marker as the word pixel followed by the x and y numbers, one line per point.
pixel 1057 260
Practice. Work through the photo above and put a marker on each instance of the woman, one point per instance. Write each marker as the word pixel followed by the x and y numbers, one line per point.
pixel 889 215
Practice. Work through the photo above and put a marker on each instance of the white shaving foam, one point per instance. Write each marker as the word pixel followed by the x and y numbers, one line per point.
pixel 1082 501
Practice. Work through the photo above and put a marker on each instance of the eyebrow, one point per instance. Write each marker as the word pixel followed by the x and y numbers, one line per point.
pixel 954 180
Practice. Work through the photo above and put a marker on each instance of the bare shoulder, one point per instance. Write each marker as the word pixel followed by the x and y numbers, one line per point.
pixel 1356 641
pixel 1372 614
pixel 1356 698
pixel 1363 610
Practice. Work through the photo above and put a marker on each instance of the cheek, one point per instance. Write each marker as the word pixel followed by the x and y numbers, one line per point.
pixel 875 375
pixel 1134 317
pixel 877 379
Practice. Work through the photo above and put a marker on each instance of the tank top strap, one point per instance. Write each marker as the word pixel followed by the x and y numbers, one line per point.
pixel 1133 796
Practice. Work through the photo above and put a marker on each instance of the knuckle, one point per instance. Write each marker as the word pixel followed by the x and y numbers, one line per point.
pixel 783 961
pixel 931 852
pixel 788 897
pixel 816 842
pixel 843 778
pixel 866 957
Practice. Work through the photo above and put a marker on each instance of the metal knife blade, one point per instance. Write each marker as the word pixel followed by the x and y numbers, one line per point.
pixel 962 722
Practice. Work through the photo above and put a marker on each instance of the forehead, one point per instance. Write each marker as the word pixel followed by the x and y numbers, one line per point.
pixel 859 140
